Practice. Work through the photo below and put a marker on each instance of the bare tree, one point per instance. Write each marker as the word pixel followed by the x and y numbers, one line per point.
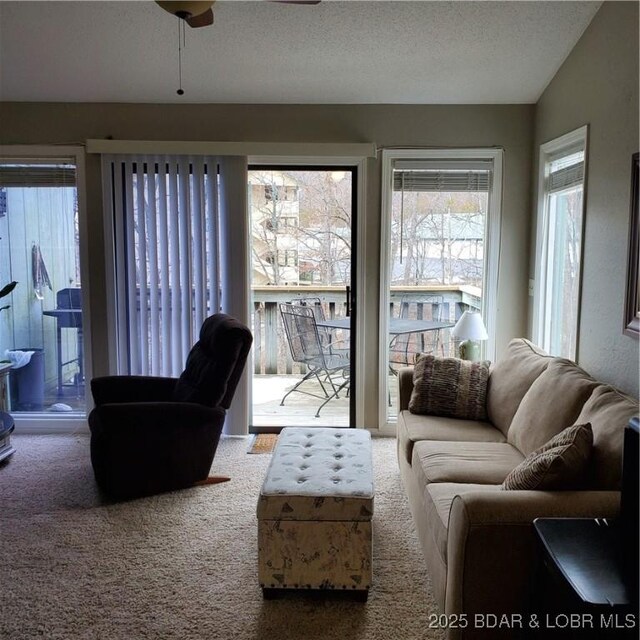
pixel 437 237
pixel 321 233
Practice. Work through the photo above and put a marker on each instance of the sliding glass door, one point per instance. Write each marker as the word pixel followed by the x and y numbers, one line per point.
pixel 302 252
pixel 179 255
pixel 41 321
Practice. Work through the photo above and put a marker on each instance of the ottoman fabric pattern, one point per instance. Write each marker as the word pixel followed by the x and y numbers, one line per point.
pixel 315 510
pixel 329 555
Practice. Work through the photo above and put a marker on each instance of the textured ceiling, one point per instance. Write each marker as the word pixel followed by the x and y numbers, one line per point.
pixel 266 52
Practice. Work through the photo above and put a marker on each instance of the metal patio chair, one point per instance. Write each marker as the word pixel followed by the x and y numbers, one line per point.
pixel 324 362
pixel 403 348
pixel 327 335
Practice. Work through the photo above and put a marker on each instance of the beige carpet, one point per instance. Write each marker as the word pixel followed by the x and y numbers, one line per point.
pixel 180 565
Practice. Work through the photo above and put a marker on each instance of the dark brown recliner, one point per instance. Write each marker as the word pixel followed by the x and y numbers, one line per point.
pixel 154 434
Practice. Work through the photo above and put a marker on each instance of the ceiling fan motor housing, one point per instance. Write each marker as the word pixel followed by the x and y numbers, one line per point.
pixel 186 9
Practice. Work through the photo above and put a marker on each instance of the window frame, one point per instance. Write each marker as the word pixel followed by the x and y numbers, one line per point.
pixel 491 255
pixel 551 151
pixel 357 163
pixel 42 422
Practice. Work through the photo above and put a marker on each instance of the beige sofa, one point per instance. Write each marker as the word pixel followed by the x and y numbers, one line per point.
pixel 478 539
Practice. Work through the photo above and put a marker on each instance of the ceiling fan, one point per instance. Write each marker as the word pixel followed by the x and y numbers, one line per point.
pixel 198 13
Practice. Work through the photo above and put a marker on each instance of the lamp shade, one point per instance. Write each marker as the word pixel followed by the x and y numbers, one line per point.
pixel 470 327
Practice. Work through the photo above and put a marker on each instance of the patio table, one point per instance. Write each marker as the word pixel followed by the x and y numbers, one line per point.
pixel 397 326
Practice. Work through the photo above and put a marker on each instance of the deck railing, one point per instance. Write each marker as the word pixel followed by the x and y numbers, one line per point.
pixel 270 347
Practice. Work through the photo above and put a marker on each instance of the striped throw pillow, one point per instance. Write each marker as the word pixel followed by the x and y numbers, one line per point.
pixel 449 387
pixel 559 464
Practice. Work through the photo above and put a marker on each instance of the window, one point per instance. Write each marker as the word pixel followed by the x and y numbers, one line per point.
pixel 283 222
pixel 559 243
pixel 43 328
pixel 439 255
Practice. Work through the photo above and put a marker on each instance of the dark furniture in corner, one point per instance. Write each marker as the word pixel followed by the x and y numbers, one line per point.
pixel 154 434
pixel 589 566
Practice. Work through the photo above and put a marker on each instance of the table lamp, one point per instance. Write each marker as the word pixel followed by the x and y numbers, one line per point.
pixel 470 329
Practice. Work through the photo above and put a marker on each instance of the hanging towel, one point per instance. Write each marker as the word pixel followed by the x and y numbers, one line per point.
pixel 39 272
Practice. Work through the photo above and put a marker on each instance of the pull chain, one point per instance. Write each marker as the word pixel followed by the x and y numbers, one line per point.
pixel 181 39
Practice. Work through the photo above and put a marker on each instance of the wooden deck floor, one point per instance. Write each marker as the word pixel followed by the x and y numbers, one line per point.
pixel 299 409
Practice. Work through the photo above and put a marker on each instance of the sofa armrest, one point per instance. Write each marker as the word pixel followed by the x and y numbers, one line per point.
pixel 109 389
pixel 405 387
pixel 492 550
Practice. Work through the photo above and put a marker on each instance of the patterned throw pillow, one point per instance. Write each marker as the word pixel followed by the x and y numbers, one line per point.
pixel 559 464
pixel 449 387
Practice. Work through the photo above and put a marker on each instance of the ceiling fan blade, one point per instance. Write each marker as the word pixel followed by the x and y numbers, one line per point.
pixel 202 20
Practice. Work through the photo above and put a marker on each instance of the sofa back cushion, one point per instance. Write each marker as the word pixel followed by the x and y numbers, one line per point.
pixel 608 411
pixel 552 404
pixel 511 376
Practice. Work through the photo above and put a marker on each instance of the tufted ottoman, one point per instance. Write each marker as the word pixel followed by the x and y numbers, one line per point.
pixel 314 512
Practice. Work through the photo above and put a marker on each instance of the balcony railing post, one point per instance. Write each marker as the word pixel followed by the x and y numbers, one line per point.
pixel 257 338
pixel 271 337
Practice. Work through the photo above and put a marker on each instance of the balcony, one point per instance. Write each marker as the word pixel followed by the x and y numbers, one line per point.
pixel 274 371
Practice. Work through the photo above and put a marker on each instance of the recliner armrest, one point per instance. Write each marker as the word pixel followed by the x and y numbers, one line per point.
pixel 153 418
pixel 120 389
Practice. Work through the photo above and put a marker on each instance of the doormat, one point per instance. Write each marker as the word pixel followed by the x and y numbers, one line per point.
pixel 263 443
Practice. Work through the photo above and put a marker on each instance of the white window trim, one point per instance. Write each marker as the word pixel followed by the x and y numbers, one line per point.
pixel 548 149
pixel 360 163
pixel 492 257
pixel 37 422
pixel 314 150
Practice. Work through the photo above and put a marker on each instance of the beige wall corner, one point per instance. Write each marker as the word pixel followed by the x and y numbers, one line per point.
pixel 598 85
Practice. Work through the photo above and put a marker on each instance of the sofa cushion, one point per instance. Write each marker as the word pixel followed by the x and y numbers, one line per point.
pixel 437 499
pixel 608 411
pixel 552 404
pixel 449 387
pixel 469 462
pixel 511 377
pixel 559 464
pixel 414 428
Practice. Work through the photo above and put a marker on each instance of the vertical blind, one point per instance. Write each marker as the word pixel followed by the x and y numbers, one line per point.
pixel 166 228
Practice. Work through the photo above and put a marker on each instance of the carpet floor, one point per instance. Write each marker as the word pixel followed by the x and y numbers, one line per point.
pixel 182 564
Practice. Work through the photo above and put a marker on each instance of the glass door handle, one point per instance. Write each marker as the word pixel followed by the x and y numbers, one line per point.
pixel 348 312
